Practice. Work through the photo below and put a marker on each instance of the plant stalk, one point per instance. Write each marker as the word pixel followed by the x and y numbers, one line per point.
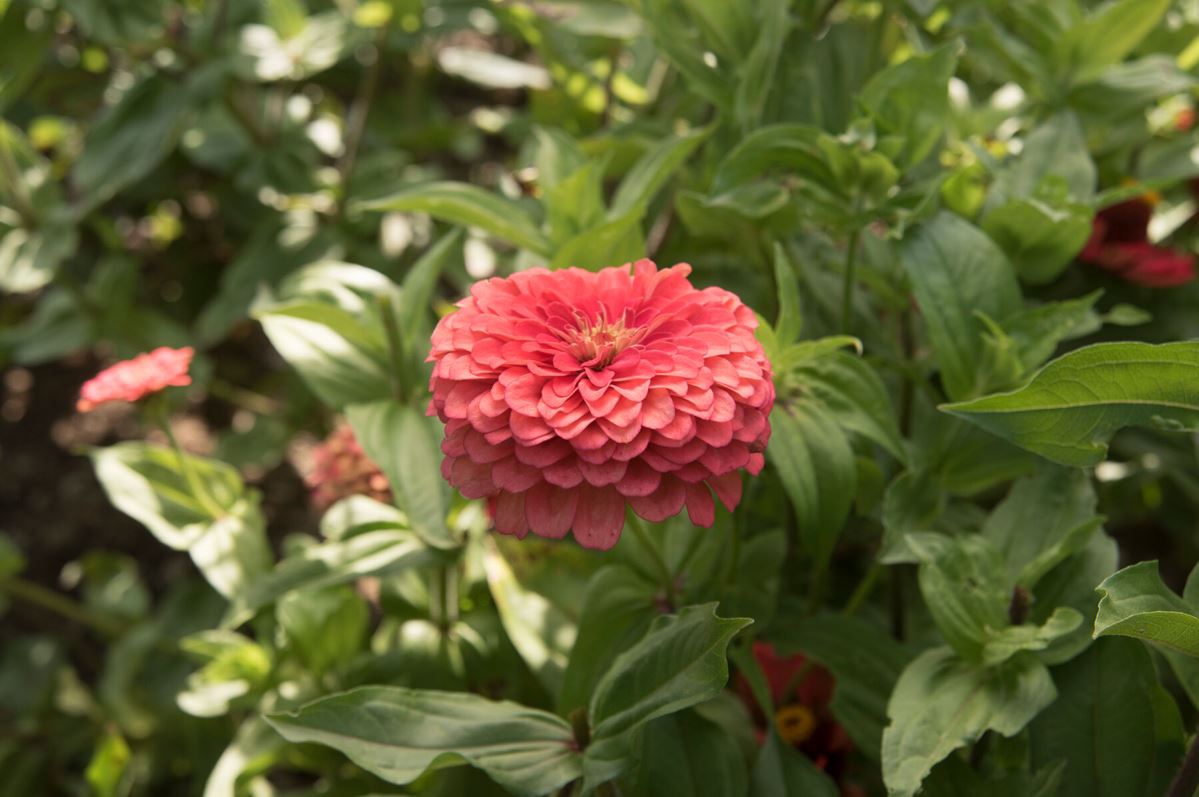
pixel 638 528
pixel 1187 780
pixel 851 267
pixel 48 599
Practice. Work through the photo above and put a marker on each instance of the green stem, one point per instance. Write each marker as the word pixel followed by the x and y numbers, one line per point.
pixel 638 528
pixel 851 266
pixel 863 590
pixel 61 605
pixel 185 467
pixel 356 118
pixel 1186 782
pixel 395 346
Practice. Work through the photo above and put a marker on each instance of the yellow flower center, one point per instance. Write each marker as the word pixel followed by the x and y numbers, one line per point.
pixel 795 723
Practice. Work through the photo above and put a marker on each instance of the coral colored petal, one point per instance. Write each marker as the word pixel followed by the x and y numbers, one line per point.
pixel 639 480
pixel 510 514
pixel 727 488
pixel 664 502
pixel 549 510
pixel 700 507
pixel 599 517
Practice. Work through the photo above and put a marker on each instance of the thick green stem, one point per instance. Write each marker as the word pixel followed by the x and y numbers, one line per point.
pixel 1186 782
pixel 161 415
pixel 863 590
pixel 851 267
pixel 638 528
pixel 61 605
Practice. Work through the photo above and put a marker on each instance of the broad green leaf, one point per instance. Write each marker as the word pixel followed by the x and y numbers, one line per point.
pixel 727 27
pixel 539 630
pixel 1108 35
pixel 855 397
pixel 1123 90
pixel 961 580
pixel 324 627
pixel 1036 331
pixel 255 744
pixel 558 156
pixel 863 659
pixel 678 663
pixel 665 19
pixel 402 442
pixel 357 513
pixel 131 138
pixel 417 292
pixel 399 733
pixel 651 172
pixel 471 206
pixel 334 562
pixel 234 666
pixel 955 777
pixel 942 703
pixel 1072 584
pixel 782 771
pixel 618 605
pixel 190 504
pixel 956 271
pixel 30 259
pixel 1074 404
pixel 25 50
pixel 910 101
pixel 912 504
pixel 1051 513
pixel 1137 604
pixel 685 753
pixel 782 147
pixel 575 205
pixel 1112 724
pixel 815 464
pixel 324 320
pixel 790 320
pixel 1041 240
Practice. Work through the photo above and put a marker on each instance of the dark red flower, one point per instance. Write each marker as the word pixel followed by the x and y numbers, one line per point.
pixel 801 691
pixel 1120 244
pixel 341 469
pixel 130 380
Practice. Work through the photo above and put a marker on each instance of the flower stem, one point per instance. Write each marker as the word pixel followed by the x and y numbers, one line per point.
pixel 47 599
pixel 638 528
pixel 194 484
pixel 851 266
pixel 863 590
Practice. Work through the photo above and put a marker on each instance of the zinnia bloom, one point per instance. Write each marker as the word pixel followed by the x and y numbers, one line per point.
pixel 569 395
pixel 1120 243
pixel 801 692
pixel 341 469
pixel 134 379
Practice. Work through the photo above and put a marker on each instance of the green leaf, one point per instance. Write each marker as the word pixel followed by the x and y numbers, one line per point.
pixel 417 291
pixel 1112 724
pixel 961 582
pixel 757 80
pixel 12 561
pixel 612 243
pixel 325 322
pixel 618 605
pixel 402 442
pixel 652 170
pixel 942 703
pixel 1056 148
pixel 790 320
pixel 25 50
pixel 1036 331
pixel 131 138
pixel 30 259
pixel 1108 35
pixel 335 562
pixel 855 396
pixel 685 753
pixel 235 667
pixel 678 663
pixel 767 150
pixel 1040 239
pixel 956 272
pixel 782 771
pixel 211 515
pixel 1137 604
pixel 1077 402
pixel 910 101
pixel 469 206
pixel 324 627
pixel 255 744
pixel 816 466
pixel 1043 519
pixel 398 734
pixel 539 630
pixel 574 206
pixel 106 771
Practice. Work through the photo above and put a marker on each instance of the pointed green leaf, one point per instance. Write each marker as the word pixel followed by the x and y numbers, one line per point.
pixel 1072 406
pixel 652 170
pixel 398 734
pixel 1136 603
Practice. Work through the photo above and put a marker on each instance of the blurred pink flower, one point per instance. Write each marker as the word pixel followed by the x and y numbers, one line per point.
pixel 340 468
pixel 568 395
pixel 131 380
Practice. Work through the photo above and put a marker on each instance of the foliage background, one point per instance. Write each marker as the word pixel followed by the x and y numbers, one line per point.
pixel 167 169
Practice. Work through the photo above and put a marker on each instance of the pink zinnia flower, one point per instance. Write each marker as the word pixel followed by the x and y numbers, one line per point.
pixel 341 469
pixel 131 380
pixel 568 395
